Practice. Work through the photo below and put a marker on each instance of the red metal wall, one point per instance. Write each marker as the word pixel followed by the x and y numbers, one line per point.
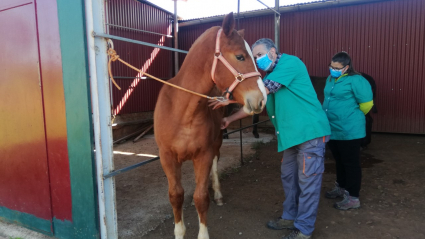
pixel 385 40
pixel 139 95
pixel 34 164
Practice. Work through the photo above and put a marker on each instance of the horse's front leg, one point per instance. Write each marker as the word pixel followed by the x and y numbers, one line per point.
pixel 202 166
pixel 172 170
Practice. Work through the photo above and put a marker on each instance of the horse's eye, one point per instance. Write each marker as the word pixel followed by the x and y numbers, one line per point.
pixel 240 58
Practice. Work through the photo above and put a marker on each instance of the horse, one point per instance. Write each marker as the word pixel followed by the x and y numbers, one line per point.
pixel 187 129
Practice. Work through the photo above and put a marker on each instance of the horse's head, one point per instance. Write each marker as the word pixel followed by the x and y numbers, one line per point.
pixel 248 89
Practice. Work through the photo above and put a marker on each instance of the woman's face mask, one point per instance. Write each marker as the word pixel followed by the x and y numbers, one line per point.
pixel 335 72
pixel 264 62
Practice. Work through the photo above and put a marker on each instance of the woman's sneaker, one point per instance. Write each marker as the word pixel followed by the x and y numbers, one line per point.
pixel 296 234
pixel 348 202
pixel 336 192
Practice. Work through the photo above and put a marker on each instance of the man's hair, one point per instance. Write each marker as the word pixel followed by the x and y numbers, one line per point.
pixel 268 43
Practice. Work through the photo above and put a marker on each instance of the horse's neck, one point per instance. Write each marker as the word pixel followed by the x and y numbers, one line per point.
pixel 188 104
pixel 195 75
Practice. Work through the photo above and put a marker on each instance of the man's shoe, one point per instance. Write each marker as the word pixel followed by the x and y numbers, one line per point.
pixel 280 224
pixel 296 234
pixel 336 192
pixel 348 202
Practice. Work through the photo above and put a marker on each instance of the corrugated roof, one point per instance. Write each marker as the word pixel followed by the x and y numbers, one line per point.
pixel 257 10
pixel 283 8
pixel 156 6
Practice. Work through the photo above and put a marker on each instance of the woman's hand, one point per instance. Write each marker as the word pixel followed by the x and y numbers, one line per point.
pixel 225 122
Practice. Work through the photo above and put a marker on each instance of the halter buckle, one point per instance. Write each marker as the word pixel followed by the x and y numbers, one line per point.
pixel 239 77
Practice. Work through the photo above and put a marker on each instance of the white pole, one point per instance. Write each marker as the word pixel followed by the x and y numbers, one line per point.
pixel 176 39
pixel 99 83
pixel 277 26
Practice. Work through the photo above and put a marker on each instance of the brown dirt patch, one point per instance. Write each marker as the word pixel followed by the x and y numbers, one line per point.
pixel 142 193
pixel 391 196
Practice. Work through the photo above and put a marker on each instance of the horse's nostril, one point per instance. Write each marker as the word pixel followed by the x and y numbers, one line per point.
pixel 261 104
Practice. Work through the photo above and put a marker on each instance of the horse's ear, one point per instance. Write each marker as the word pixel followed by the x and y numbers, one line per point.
pixel 228 24
pixel 242 32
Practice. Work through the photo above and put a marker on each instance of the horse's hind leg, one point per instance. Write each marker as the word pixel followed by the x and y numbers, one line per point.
pixel 202 168
pixel 172 170
pixel 218 197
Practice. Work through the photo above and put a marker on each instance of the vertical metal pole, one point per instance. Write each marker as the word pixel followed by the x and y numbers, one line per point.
pixel 239 5
pixel 240 121
pixel 107 16
pixel 240 139
pixel 107 32
pixel 100 96
pixel 176 41
pixel 277 26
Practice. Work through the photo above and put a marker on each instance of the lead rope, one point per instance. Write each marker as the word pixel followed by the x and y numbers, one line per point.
pixel 113 57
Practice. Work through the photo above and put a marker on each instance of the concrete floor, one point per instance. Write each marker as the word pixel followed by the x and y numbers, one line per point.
pixel 9 230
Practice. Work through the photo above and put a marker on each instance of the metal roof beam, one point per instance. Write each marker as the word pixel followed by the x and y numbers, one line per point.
pixel 269 7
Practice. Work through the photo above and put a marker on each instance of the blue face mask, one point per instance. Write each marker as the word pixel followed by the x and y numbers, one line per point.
pixel 264 62
pixel 336 73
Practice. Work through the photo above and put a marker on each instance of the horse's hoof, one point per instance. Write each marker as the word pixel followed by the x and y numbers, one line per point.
pixel 219 201
pixel 256 135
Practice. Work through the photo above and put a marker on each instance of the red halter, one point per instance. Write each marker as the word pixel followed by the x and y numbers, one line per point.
pixel 239 77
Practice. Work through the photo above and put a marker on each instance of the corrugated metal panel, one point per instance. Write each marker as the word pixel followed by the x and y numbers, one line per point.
pixel 385 40
pixel 133 14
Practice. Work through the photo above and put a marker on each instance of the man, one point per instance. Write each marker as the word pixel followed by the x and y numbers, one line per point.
pixel 302 130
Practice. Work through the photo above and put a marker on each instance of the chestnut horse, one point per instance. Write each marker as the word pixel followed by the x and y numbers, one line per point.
pixel 187 129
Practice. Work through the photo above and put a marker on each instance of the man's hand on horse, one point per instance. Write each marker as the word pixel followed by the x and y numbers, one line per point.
pixel 225 123
pixel 218 104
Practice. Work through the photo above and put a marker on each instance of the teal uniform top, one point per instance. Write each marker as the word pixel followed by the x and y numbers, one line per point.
pixel 294 109
pixel 341 105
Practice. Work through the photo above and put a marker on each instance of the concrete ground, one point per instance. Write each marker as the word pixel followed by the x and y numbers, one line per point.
pixel 12 231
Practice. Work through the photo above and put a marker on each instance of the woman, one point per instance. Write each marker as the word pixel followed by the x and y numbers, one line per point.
pixel 348 97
